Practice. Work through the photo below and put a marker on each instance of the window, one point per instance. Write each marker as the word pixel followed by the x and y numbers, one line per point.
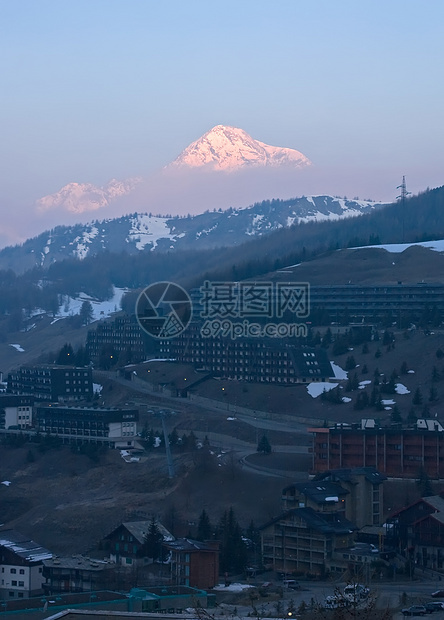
pixel 128 560
pixel 13 571
pixel 22 571
pixel 21 584
pixel 20 594
pixel 14 582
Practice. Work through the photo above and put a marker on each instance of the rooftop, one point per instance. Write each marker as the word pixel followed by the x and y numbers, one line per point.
pixel 78 562
pixel 23 547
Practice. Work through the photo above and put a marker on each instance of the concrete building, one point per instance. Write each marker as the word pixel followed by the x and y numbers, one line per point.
pixel 121 338
pixel 16 411
pixel 373 302
pixel 397 452
pixel 75 574
pixel 303 540
pixel 52 383
pixel 194 563
pixel 264 360
pixel 364 504
pixel 21 566
pixel 320 521
pixel 116 428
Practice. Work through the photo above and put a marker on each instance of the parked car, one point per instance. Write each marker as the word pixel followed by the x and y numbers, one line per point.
pixel 433 606
pixel 414 610
pixel 291 584
pixel 438 594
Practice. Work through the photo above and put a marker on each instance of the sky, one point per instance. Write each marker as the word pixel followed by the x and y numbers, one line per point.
pixel 98 89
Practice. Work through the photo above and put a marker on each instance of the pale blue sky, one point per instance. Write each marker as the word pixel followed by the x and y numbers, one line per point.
pixel 95 89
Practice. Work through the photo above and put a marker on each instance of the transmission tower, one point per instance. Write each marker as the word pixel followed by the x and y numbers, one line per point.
pixel 402 196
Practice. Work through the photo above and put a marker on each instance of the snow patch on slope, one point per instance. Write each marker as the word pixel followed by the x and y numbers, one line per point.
pixel 146 229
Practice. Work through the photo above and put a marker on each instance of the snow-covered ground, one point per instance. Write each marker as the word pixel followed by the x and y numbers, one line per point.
pixel 101 309
pixel 338 372
pixel 363 384
pixel 148 229
pixel 396 248
pixel 17 347
pixel 401 389
pixel 233 587
pixel 316 389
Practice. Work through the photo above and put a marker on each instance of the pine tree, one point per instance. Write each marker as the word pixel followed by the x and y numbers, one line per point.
pixel 396 415
pixel 424 484
pixel 66 355
pixel 350 363
pixel 264 445
pixel 204 527
pixel 152 547
pixel 417 397
pixel 433 395
pixel 86 313
pixel 173 437
pixel 233 551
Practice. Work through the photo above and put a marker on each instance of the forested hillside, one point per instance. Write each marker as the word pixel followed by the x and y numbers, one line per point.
pixel 420 218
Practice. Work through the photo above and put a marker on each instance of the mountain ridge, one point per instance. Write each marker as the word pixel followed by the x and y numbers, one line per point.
pixel 147 232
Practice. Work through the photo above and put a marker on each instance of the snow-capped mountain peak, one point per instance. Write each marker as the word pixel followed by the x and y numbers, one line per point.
pixel 230 148
pixel 81 197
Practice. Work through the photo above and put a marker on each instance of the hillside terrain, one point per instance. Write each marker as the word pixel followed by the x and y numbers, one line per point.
pixel 68 502
pixel 145 232
pixel 368 265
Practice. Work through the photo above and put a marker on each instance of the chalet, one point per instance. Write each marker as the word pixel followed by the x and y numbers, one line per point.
pixel 126 542
pixel 417 532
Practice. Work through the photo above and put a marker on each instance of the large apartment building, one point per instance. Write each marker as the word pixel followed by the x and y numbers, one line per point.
pixel 320 518
pixel 97 425
pixel 248 359
pixel 52 383
pixel 395 452
pixel 120 338
pixel 373 302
